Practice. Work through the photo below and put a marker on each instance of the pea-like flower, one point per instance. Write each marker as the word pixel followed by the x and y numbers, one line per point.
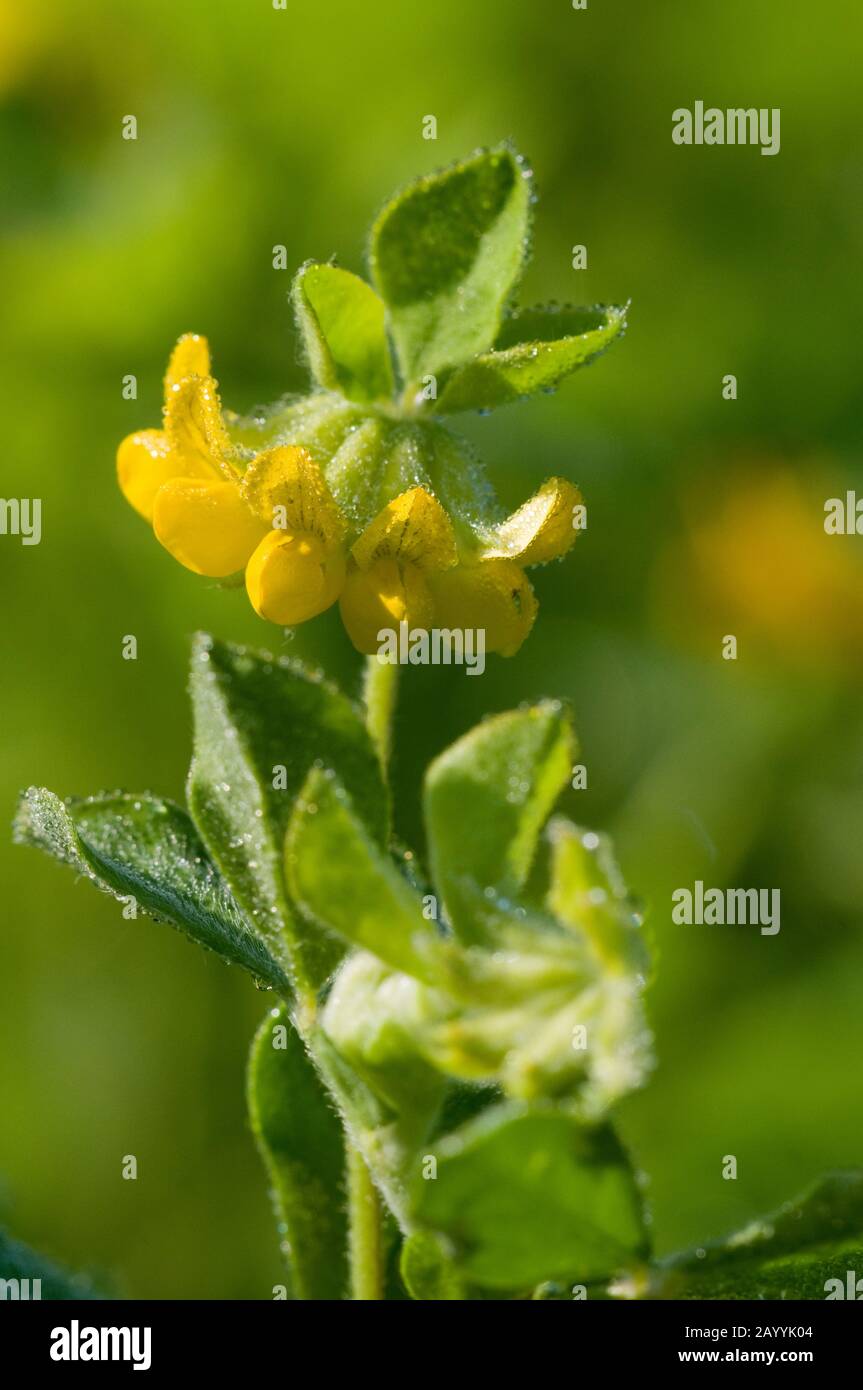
pixel 219 509
pixel 184 479
pixel 490 589
pixel 359 491
pixel 392 563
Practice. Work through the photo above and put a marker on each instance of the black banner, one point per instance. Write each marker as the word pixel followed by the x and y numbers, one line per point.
pixel 66 1339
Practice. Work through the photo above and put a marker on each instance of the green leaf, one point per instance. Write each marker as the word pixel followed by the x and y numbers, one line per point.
pixel 501 780
pixel 18 1262
pixel 536 349
pixel 808 1275
pixel 344 882
pixel 341 878
pixel 426 1270
pixel 147 848
pixel 525 1196
pixel 446 253
pixel 300 1140
pixel 342 323
pixel 588 893
pixel 260 724
pixel 790 1253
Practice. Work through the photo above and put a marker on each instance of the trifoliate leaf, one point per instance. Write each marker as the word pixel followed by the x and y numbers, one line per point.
pixel 260 724
pixel 535 350
pixel 486 800
pixel 341 320
pixel 300 1139
pixel 147 852
pixel 524 1196
pixel 445 254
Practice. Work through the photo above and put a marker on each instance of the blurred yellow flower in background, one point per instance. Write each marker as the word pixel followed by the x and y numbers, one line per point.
pixel 755 561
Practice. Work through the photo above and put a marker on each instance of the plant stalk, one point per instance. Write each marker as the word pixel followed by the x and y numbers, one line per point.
pixel 366 1242
pixel 380 688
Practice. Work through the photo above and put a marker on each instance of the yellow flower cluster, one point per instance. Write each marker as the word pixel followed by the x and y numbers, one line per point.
pixel 276 518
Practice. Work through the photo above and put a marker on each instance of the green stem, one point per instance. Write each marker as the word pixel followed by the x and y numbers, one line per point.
pixel 365 1214
pixel 366 1230
pixel 380 688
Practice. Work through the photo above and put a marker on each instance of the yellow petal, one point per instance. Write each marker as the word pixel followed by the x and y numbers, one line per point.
pixel 206 525
pixel 292 577
pixel 380 598
pixel 193 424
pixel 541 529
pixel 144 463
pixel 495 595
pixel 413 528
pixel 191 357
pixel 287 489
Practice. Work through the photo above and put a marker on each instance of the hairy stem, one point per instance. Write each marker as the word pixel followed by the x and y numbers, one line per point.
pixel 380 688
pixel 366 1230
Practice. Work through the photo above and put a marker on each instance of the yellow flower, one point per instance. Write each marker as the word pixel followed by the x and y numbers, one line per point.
pixel 145 460
pixel 277 519
pixel 298 569
pixel 489 589
pixel 391 562
pixel 182 478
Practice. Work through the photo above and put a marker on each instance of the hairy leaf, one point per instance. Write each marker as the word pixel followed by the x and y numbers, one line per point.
pixel 300 1139
pixel 260 724
pixel 19 1263
pixel 347 883
pixel 828 1274
pixel 528 1195
pixel 342 323
pixel 587 893
pixel 445 254
pixel 791 1253
pixel 500 780
pixel 147 848
pixel 535 351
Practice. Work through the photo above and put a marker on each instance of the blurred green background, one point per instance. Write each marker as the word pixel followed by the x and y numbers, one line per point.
pixel 260 126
